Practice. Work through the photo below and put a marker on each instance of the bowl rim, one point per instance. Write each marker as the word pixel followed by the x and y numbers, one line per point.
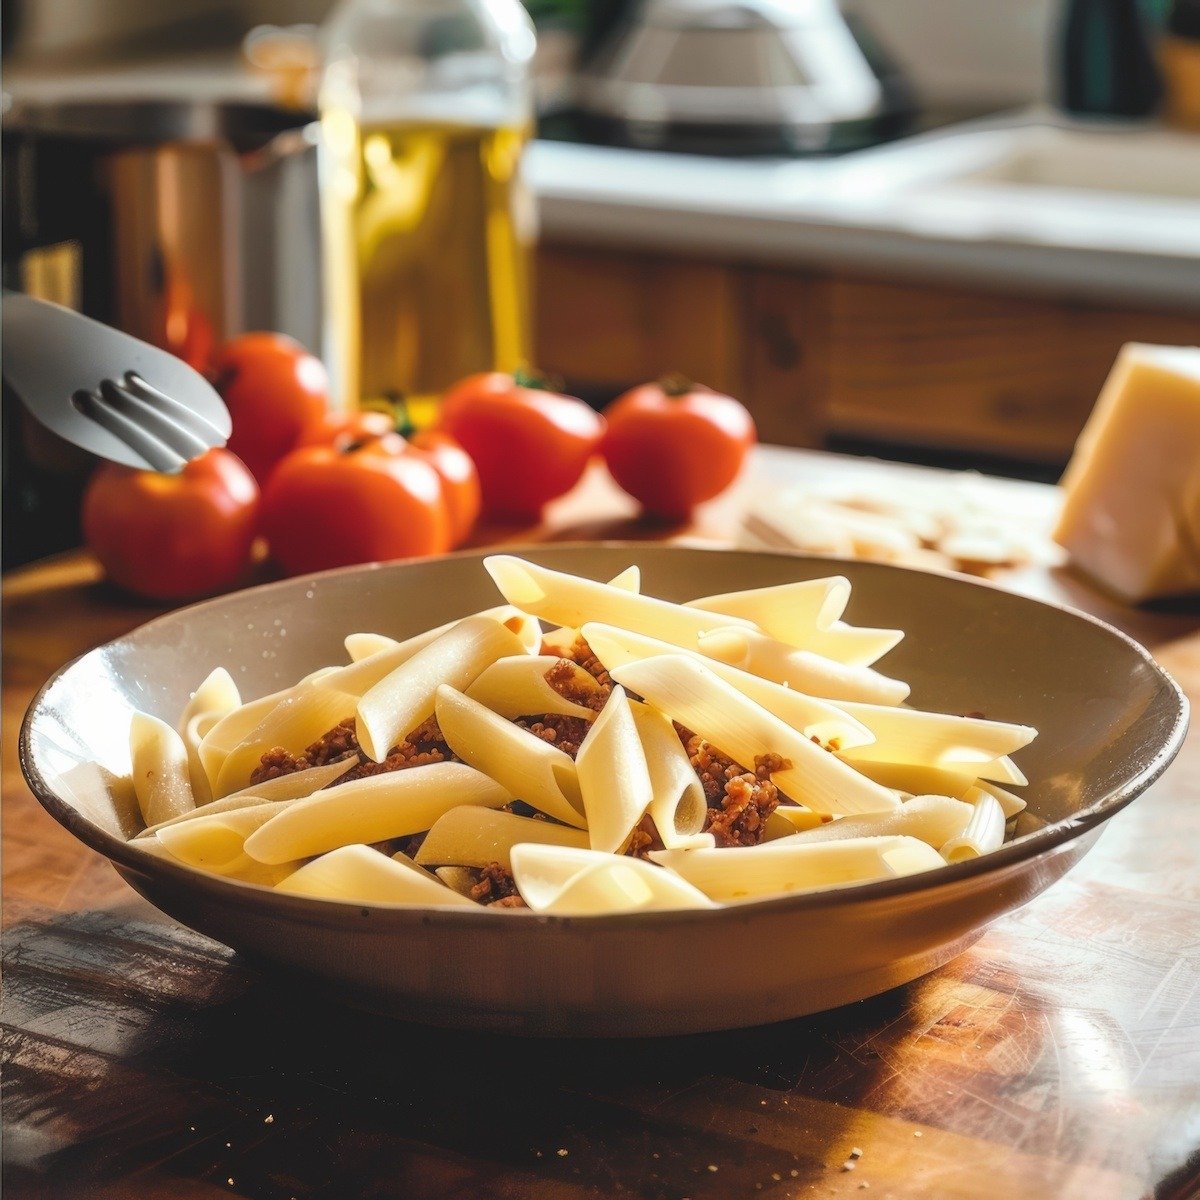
pixel 1035 844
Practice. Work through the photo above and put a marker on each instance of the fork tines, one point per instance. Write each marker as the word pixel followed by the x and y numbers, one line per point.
pixel 165 433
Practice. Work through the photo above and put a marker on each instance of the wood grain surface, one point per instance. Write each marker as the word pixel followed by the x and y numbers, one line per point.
pixel 1058 1058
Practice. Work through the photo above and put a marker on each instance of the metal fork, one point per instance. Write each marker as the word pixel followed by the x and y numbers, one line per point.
pixel 107 392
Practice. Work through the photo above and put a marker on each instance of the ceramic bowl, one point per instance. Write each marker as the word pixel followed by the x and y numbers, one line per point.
pixel 1110 721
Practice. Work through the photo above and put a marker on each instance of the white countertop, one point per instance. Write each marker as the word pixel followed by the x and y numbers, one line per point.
pixel 923 207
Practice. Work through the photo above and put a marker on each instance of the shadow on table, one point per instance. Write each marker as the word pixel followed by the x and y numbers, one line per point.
pixel 135 1047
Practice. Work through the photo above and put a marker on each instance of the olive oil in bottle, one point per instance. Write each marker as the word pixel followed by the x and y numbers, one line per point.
pixel 428 230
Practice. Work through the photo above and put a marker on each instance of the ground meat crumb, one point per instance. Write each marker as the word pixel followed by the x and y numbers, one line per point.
pixel 975 715
pixel 566 733
pixel 561 677
pixel 277 763
pixel 496 886
pixel 423 746
pixel 739 801
pixel 581 653
pixel 643 839
pixel 508 902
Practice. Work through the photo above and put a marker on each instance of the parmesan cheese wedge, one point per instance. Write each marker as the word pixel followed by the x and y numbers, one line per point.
pixel 1131 516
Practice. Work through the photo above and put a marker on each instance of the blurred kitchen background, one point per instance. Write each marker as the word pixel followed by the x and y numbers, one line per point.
pixel 919 229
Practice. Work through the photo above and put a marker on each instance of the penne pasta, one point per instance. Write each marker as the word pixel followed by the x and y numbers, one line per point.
pixel 984 832
pixel 788 819
pixel 905 735
pixel 614 781
pixel 369 669
pixel 806 615
pixel 787 608
pixel 215 698
pixel 820 719
pixel 373 809
pixel 470 837
pixel 584 882
pixel 529 768
pixel 691 694
pixel 161 779
pixel 363 645
pixel 1010 805
pixel 216 842
pixel 457 879
pixel 934 820
pixel 309 710
pixel 569 600
pixel 775 660
pixel 404 698
pixel 917 781
pixel 293 786
pixel 517 687
pixel 677 806
pixel 788 866
pixel 1002 770
pixel 360 875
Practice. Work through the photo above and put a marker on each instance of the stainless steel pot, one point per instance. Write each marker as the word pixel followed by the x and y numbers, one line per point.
pixel 181 223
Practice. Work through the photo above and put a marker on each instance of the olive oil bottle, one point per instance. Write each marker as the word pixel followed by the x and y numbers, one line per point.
pixel 428 230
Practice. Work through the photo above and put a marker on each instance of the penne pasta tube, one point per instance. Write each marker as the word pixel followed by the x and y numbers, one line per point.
pixel 1010 805
pixel 905 735
pixel 1001 770
pixel 691 694
pixel 369 669
pixel 775 660
pixel 934 820
pixel 457 879
pixel 917 780
pixel 786 609
pixel 233 728
pixel 628 580
pixel 363 645
pixel 559 641
pixel 787 866
pixel 404 698
pixel 614 780
pixel 570 600
pixel 806 615
pixel 529 768
pixel 586 883
pixel 161 780
pixel 216 842
pixel 820 719
pixel 984 832
pixel 308 711
pixel 293 786
pixel 360 875
pixel 216 697
pixel 788 819
pixel 678 807
pixel 475 837
pixel 373 809
pixel 517 687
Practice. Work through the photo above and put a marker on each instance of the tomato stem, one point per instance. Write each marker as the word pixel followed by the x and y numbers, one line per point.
pixel 527 377
pixel 676 384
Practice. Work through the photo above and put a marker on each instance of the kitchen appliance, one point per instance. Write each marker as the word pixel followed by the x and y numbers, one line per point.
pixel 109 393
pixel 741 76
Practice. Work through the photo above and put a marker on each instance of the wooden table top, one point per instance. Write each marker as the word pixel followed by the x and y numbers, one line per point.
pixel 1060 1057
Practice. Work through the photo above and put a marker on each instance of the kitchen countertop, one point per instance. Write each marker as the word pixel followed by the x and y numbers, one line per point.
pixel 1059 1057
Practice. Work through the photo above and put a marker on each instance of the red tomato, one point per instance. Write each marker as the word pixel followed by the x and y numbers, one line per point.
pixel 171 537
pixel 340 429
pixel 324 507
pixel 274 390
pixel 460 480
pixel 674 446
pixel 528 445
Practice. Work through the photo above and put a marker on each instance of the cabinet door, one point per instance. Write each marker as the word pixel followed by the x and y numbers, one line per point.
pixel 607 319
pixel 975 371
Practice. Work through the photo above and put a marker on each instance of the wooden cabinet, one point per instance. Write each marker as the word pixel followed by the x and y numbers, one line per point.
pixel 821 355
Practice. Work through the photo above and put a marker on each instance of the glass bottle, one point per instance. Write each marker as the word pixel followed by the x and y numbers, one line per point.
pixel 428 232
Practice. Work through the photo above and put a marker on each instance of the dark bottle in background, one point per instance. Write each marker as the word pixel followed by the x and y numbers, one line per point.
pixel 1108 61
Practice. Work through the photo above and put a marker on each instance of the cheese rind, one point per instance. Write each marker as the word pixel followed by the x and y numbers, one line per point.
pixel 1131 511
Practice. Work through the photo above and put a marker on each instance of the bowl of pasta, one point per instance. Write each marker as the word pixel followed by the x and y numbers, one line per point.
pixel 602 790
